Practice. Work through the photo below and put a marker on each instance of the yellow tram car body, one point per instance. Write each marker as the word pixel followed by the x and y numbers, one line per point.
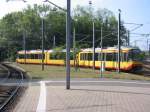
pixel 35 57
pixel 129 58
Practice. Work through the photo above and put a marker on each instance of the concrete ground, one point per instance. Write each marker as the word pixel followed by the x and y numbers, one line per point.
pixel 86 96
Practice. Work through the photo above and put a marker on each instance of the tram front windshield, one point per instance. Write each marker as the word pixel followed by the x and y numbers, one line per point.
pixel 135 55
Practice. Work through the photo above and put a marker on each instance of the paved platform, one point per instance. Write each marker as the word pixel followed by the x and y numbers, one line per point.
pixel 29 101
pixel 84 98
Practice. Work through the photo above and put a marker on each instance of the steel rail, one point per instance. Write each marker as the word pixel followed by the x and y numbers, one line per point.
pixel 6 102
pixel 5 68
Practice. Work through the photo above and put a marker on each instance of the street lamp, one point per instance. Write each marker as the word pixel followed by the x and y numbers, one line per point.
pixel 101 44
pixel 90 4
pixel 24 45
pixel 74 44
pixel 43 14
pixel 119 46
pixel 68 35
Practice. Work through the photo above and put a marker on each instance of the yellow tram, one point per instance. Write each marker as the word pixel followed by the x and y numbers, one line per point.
pixel 130 59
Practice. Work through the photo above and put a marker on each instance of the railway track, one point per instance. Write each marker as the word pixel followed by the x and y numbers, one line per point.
pixel 146 68
pixel 11 83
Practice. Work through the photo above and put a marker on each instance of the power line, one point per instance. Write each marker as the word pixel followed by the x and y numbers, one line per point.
pixel 133 23
pixel 141 34
pixel 56 5
pixel 137 26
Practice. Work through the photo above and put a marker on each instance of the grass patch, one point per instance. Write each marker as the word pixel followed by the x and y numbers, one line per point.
pixel 35 71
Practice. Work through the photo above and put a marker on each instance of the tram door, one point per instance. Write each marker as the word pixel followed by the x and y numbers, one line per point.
pixel 123 60
pixel 100 59
pixel 115 60
pixel 109 60
pixel 82 59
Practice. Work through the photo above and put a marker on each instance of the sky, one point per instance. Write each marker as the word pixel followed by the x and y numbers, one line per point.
pixel 132 11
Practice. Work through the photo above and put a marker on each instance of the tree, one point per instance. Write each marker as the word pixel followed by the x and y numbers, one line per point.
pixel 102 18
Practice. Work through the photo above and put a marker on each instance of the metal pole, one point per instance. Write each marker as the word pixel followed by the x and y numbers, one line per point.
pixel 119 18
pixel 54 44
pixel 68 34
pixel 149 50
pixel 147 45
pixel 128 38
pixel 101 44
pixel 8 51
pixel 74 46
pixel 42 44
pixel 90 4
pixel 24 45
pixel 135 43
pixel 93 45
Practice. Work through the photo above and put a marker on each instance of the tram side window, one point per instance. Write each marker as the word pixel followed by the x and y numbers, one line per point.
pixel 134 55
pixel 130 57
pixel 96 56
pixel 82 56
pixel 63 56
pixel 52 56
pixel 32 56
pixel 115 56
pixel 90 56
pixel 55 56
pixel 21 56
pixel 40 56
pixel 109 57
pixel 36 56
pixel 124 57
pixel 28 56
pixel 58 56
pixel 99 56
pixel 86 56
pixel 71 56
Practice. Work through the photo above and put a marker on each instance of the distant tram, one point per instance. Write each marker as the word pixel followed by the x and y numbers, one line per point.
pixel 130 59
